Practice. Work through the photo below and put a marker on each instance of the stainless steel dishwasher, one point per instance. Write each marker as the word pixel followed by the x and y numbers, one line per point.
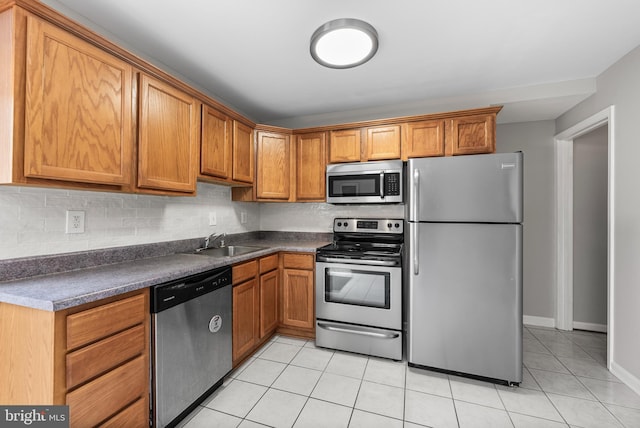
pixel 190 342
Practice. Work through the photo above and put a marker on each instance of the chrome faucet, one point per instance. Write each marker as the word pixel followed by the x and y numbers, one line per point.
pixel 210 241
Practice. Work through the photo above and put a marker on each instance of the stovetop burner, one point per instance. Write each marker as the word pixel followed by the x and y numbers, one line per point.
pixel 365 239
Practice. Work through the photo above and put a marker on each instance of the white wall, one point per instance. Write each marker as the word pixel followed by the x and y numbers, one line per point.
pixel 535 140
pixel 590 164
pixel 620 86
pixel 32 220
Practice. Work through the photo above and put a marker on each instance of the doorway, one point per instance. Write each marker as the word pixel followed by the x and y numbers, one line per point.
pixel 564 169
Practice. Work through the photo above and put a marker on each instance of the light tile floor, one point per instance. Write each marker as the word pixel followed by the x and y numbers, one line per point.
pixel 291 383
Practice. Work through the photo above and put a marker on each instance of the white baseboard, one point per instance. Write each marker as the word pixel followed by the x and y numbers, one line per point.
pixel 602 328
pixel 539 321
pixel 630 380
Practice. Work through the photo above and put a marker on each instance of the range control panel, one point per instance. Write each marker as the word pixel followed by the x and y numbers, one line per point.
pixel 368 225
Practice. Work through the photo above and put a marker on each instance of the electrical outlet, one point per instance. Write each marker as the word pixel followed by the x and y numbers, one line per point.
pixel 243 217
pixel 75 222
pixel 213 219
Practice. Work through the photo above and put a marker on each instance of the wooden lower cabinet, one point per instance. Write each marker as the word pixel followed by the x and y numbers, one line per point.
pixel 255 304
pixel 94 358
pixel 298 291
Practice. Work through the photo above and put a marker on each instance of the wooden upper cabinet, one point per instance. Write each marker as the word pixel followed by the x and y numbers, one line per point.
pixel 344 146
pixel 216 144
pixel 383 142
pixel 243 152
pixel 472 134
pixel 274 163
pixel 422 139
pixel 168 137
pixel 311 163
pixel 78 109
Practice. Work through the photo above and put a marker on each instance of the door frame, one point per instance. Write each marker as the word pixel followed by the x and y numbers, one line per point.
pixel 563 143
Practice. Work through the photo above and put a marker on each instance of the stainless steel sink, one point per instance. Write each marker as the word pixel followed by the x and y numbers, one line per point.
pixel 229 251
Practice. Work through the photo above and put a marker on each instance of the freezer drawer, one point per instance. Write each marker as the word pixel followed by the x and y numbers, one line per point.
pixel 464 298
pixel 475 188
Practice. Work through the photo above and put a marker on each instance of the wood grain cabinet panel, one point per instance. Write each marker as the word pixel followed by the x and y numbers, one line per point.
pixel 135 415
pixel 246 310
pixel 244 271
pixel 102 398
pixel 243 153
pixel 216 144
pixel 298 298
pixel 169 137
pixel 472 135
pixel 268 303
pixel 311 164
pixel 94 324
pixel 423 138
pixel 78 117
pixel 344 146
pixel 383 142
pixel 274 166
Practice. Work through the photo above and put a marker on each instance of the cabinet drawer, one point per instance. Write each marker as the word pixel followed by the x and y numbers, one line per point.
pixel 109 394
pixel 298 261
pixel 104 355
pixel 244 271
pixel 94 324
pixel 136 415
pixel 268 263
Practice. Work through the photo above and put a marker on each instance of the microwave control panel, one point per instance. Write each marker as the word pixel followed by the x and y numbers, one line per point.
pixel 392 184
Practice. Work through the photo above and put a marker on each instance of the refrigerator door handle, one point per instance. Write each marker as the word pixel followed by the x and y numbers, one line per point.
pixel 416 193
pixel 414 250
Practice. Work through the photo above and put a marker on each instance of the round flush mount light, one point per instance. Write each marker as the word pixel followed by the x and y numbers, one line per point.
pixel 344 43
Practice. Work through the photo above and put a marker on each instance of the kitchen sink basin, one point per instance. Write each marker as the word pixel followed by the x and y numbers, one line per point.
pixel 229 251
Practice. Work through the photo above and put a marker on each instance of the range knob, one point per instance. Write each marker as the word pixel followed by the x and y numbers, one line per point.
pixel 346 224
pixel 397 224
pixel 389 225
pixel 339 224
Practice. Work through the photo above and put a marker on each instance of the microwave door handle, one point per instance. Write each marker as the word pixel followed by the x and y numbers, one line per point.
pixel 382 185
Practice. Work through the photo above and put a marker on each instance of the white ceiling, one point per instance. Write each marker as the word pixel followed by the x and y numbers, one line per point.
pixel 538 58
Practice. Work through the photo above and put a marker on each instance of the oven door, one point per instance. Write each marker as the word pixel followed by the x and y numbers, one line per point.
pixel 359 294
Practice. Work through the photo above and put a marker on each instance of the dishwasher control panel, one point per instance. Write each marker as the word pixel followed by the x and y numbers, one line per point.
pixel 167 295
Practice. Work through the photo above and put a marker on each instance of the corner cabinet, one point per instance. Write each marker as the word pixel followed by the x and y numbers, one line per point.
pixel 243 153
pixel 274 166
pixel 94 358
pixel 310 165
pixel 168 137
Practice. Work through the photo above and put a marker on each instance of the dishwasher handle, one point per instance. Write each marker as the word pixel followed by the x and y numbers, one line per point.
pixel 170 294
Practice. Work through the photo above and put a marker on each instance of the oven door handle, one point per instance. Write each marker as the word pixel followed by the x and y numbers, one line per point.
pixel 355 330
pixel 358 261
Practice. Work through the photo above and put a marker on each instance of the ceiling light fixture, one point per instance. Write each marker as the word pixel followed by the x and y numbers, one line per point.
pixel 344 43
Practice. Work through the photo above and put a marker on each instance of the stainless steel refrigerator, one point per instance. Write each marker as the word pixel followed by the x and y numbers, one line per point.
pixel 463 262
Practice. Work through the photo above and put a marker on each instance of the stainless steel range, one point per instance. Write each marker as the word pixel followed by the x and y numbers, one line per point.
pixel 359 287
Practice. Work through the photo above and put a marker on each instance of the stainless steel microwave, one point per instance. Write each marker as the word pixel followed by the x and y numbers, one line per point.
pixel 365 183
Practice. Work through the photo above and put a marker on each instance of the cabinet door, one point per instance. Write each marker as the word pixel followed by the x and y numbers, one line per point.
pixel 422 139
pixel 472 134
pixel 242 152
pixel 245 318
pixel 215 145
pixel 344 146
pixel 311 163
pixel 168 137
pixel 274 160
pixel 268 303
pixel 383 142
pixel 297 298
pixel 78 109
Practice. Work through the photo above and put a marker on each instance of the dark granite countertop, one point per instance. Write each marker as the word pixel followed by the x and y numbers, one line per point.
pixel 66 289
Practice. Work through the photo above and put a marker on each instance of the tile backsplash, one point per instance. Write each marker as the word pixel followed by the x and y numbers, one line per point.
pixel 33 220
